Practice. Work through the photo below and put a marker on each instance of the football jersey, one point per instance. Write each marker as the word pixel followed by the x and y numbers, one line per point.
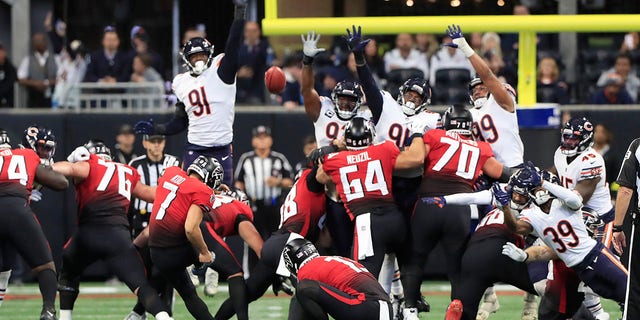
pixel 329 126
pixel 175 194
pixel 394 124
pixel 499 128
pixel 209 104
pixel 492 225
pixel 17 172
pixel 104 196
pixel 345 275
pixel 454 161
pixel 587 165
pixel 302 208
pixel 562 230
pixel 363 177
pixel 225 211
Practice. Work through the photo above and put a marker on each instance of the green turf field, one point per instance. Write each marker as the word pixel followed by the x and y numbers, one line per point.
pixel 100 301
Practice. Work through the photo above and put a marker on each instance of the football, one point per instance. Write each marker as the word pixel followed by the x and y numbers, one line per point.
pixel 275 80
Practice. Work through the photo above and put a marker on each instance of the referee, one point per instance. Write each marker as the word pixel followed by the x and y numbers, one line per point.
pixel 261 174
pixel 626 209
pixel 150 167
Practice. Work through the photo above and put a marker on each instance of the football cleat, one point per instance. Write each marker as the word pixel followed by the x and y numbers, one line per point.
pixel 48 313
pixel 135 316
pixel 194 277
pixel 423 305
pixel 454 310
pixel 489 305
pixel 211 278
pixel 410 314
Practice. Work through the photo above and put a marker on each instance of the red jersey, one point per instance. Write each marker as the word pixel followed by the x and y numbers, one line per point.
pixel 225 211
pixel 176 192
pixel 104 196
pixel 363 177
pixel 453 163
pixel 346 275
pixel 303 208
pixel 493 225
pixel 17 172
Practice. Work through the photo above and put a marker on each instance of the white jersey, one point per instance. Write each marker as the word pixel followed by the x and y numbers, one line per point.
pixel 329 126
pixel 499 128
pixel 587 165
pixel 562 230
pixel 394 124
pixel 209 103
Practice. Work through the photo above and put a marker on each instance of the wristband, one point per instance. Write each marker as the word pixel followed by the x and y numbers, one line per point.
pixel 417 135
pixel 527 258
pixel 617 228
pixel 360 58
pixel 307 60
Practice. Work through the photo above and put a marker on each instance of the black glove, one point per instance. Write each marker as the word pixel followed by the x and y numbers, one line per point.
pixel 280 284
pixel 318 154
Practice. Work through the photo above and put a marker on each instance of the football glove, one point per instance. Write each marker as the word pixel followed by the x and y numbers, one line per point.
pixel 79 154
pixel 280 284
pixel 200 266
pixel 512 251
pixel 310 43
pixel 35 195
pixel 482 183
pixel 502 195
pixel 458 41
pixel 144 127
pixel 354 40
pixel 418 127
pixel 319 153
pixel 438 201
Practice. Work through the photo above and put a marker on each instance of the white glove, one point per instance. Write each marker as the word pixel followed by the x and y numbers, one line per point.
pixel 35 196
pixel 310 43
pixel 512 251
pixel 79 154
pixel 419 127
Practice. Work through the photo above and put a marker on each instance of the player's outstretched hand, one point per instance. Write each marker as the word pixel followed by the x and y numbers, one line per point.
pixel 79 154
pixel 501 193
pixel 310 44
pixel 319 153
pixel 458 41
pixel 280 284
pixel 438 201
pixel 354 39
pixel 144 127
pixel 454 32
pixel 512 251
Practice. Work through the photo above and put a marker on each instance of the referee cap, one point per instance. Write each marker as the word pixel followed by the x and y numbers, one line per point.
pixel 261 129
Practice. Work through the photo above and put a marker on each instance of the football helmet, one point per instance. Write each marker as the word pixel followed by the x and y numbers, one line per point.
pixel 593 223
pixel 99 148
pixel 353 90
pixel 5 142
pixel 193 46
pixel 41 140
pixel 479 102
pixel 297 252
pixel 458 119
pixel 209 169
pixel 523 183
pixel 359 133
pixel 419 86
pixel 576 136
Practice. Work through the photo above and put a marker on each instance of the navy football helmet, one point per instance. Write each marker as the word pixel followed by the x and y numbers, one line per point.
pixel 209 169
pixel 359 133
pixel 458 119
pixel 577 136
pixel 478 102
pixel 298 252
pixel 5 141
pixel 99 148
pixel 194 46
pixel 524 183
pixel 41 140
pixel 419 86
pixel 352 90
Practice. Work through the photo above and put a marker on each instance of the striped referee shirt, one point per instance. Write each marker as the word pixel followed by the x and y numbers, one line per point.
pixel 253 171
pixel 149 171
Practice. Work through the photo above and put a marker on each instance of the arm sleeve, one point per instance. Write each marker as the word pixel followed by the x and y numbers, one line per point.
pixel 177 124
pixel 628 171
pixel 229 64
pixel 371 92
pixel 484 197
pixel 570 198
pixel 312 183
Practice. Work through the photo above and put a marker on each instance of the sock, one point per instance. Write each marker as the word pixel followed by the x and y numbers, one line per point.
pixel 386 272
pixel 238 294
pixel 396 285
pixel 65 314
pixel 4 282
pixel 150 299
pixel 139 308
pixel 48 286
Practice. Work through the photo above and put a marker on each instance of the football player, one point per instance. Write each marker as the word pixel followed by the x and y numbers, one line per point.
pixel 332 285
pixel 43 142
pixel 19 168
pixel 103 192
pixel 207 95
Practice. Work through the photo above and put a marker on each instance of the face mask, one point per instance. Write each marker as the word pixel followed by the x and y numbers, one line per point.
pixel 409 108
pixel 199 67
pixel 478 103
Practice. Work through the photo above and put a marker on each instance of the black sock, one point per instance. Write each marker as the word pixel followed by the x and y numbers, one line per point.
pixel 139 308
pixel 148 296
pixel 48 286
pixel 238 294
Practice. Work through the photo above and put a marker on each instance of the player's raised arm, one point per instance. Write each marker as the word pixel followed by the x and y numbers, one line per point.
pixel 497 88
pixel 414 155
pixel 229 64
pixel 50 178
pixel 177 124
pixel 310 96
pixel 356 45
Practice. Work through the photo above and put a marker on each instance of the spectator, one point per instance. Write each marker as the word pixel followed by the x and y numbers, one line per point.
pixel 109 64
pixel 254 57
pixel 124 145
pixel 404 56
pixel 613 92
pixel 7 79
pixel 623 68
pixel 142 70
pixel 374 60
pixel 261 174
pixel 490 43
pixel 73 66
pixel 447 58
pixel 140 45
pixel 548 82
pixel 505 72
pixel 475 41
pixel 427 44
pixel 37 72
pixel 333 75
pixel 631 42
pixel 309 144
pixel 292 68
pixel 602 139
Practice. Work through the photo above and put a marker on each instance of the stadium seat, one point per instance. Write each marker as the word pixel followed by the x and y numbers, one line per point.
pixel 458 77
pixel 546 93
pixel 443 95
pixel 395 78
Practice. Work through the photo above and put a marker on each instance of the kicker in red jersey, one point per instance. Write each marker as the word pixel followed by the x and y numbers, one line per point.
pixel 176 192
pixel 17 172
